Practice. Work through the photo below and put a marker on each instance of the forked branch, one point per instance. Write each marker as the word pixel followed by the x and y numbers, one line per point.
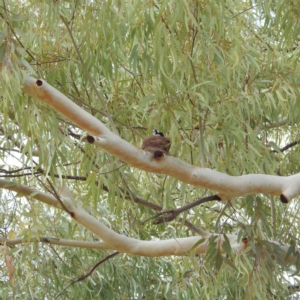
pixel 227 187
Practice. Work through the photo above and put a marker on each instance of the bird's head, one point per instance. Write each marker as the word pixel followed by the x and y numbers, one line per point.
pixel 156 132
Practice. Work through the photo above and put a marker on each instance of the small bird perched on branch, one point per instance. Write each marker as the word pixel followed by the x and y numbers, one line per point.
pixel 156 132
pixel 157 144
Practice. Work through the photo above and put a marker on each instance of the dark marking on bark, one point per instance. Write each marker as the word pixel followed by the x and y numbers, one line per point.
pixel 158 154
pixel 90 139
pixel 45 240
pixel 283 199
pixel 39 82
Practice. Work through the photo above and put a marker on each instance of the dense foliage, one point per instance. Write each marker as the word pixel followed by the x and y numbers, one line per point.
pixel 219 78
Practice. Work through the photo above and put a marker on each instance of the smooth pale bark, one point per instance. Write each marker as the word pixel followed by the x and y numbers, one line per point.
pixel 227 187
pixel 57 241
pixel 114 241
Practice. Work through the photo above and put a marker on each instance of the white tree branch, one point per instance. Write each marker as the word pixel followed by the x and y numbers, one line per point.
pixel 57 241
pixel 114 241
pixel 227 187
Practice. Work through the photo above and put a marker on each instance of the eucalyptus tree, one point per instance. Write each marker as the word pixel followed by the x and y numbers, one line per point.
pixel 208 212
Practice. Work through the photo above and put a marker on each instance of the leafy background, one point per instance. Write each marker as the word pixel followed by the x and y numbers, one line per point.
pixel 219 78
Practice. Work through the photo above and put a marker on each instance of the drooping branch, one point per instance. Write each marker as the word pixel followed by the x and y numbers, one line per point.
pixel 114 241
pixel 227 186
pixel 121 243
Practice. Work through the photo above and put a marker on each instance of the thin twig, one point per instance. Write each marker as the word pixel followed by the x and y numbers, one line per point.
pixel 89 76
pixel 196 229
pixel 220 215
pixel 173 213
pixel 288 146
pixel 273 215
pixel 82 277
pixel 58 198
pixel 134 77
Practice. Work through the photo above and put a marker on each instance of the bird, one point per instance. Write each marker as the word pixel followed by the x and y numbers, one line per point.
pixel 157 144
pixel 156 132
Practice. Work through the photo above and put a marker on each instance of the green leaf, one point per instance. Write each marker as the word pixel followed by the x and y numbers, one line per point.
pixel 18 18
pixel 291 250
pixel 274 146
pixel 28 66
pixel 197 244
pixel 226 245
pixel 229 263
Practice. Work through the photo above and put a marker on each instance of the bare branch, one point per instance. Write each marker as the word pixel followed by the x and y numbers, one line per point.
pixel 288 146
pixel 173 213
